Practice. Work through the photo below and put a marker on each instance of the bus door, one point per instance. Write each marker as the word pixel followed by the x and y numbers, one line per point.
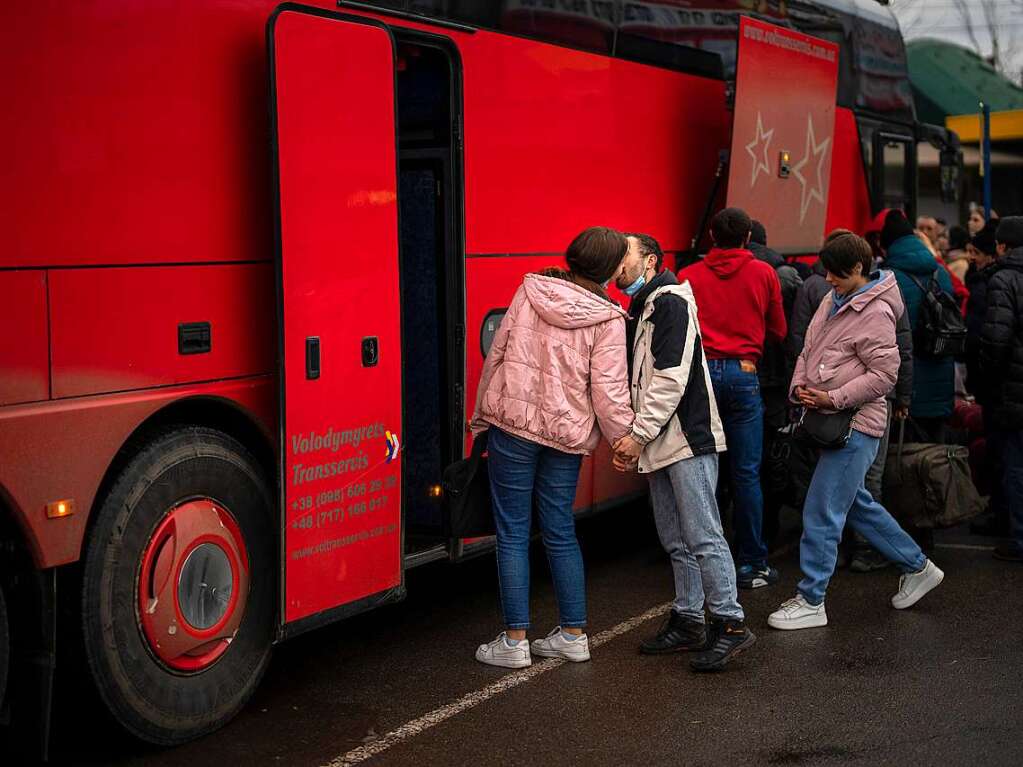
pixel 782 133
pixel 333 95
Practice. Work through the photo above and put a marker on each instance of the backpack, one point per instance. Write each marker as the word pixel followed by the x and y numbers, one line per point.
pixel 940 328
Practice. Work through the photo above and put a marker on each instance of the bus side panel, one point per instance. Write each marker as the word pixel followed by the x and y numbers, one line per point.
pixel 557 140
pixel 24 353
pixel 71 444
pixel 849 196
pixel 133 328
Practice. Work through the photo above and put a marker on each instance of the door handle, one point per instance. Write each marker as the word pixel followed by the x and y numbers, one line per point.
pixel 312 358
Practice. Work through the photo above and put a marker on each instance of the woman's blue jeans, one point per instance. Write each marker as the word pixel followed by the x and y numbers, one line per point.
pixel 837 491
pixel 521 473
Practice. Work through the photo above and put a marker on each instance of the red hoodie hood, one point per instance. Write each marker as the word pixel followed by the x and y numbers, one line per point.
pixel 727 263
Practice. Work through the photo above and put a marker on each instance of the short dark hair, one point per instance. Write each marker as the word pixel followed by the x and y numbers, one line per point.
pixel 835 233
pixel 757 233
pixel 730 227
pixel 648 246
pixel 596 253
pixel 841 254
pixel 958 238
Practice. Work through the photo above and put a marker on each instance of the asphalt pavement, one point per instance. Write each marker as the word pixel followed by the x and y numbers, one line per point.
pixel 940 684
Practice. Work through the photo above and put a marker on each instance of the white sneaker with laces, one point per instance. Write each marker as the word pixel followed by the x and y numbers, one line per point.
pixel 500 653
pixel 797 613
pixel 913 586
pixel 554 645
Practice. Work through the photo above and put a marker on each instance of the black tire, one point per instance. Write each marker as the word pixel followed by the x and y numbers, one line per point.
pixel 5 647
pixel 151 701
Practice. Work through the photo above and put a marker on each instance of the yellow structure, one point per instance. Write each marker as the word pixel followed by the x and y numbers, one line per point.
pixel 1005 126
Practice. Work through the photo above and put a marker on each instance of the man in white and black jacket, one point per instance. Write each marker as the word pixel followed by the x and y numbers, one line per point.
pixel 675 440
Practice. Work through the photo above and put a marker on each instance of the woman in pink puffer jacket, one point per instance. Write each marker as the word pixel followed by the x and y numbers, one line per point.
pixel 555 377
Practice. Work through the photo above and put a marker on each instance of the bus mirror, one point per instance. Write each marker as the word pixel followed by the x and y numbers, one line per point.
pixel 950 165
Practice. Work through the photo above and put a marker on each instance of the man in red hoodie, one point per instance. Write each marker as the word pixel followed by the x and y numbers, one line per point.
pixel 739 300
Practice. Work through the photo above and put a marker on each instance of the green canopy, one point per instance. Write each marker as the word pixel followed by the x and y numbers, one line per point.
pixel 948 79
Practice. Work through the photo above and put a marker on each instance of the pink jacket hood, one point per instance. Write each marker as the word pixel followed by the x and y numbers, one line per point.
pixel 564 304
pixel 557 372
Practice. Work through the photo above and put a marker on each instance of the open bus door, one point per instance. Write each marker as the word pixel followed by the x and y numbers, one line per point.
pixel 782 133
pixel 334 123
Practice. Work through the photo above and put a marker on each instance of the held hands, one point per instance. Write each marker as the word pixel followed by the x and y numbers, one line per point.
pixel 815 399
pixel 627 452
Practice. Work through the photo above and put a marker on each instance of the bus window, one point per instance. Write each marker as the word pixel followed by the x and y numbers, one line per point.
pixel 893 172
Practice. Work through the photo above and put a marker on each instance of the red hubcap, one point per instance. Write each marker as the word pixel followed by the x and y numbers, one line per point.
pixel 193 585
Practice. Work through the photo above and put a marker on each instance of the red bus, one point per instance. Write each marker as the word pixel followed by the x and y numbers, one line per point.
pixel 252 259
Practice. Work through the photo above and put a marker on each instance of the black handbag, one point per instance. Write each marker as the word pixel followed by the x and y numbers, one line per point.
pixel 467 508
pixel 826 431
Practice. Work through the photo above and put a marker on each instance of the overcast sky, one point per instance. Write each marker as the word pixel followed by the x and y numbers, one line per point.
pixel 941 19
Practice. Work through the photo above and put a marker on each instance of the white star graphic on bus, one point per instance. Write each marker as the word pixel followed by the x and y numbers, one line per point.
pixel 813 149
pixel 759 165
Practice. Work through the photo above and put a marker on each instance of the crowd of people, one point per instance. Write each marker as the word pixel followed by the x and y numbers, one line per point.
pixel 716 361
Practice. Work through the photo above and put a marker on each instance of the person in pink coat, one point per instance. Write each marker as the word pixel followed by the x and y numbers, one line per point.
pixel 555 378
pixel 850 361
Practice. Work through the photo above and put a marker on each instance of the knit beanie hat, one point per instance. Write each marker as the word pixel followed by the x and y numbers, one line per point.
pixel 896 226
pixel 984 240
pixel 1010 231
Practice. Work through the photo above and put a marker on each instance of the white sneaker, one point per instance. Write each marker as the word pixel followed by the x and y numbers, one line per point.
pixel 797 613
pixel 554 645
pixel 913 586
pixel 500 653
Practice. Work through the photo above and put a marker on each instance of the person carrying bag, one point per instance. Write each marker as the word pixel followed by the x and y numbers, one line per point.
pixel 848 365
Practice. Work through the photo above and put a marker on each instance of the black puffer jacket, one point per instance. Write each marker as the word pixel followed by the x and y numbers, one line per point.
pixel 976 310
pixel 1001 341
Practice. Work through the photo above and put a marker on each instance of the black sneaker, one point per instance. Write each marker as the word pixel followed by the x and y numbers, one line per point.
pixel 756 576
pixel 1009 552
pixel 867 559
pixel 677 634
pixel 726 640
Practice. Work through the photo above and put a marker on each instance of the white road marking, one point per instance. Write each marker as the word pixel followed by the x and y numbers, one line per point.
pixel 963 547
pixel 473 699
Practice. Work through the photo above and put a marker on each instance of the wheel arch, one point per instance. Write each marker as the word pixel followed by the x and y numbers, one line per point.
pixel 208 411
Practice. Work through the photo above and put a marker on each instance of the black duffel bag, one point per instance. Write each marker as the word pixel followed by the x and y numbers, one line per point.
pixel 928 485
pixel 467 508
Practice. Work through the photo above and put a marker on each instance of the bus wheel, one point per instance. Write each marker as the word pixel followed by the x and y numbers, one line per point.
pixel 5 647
pixel 178 587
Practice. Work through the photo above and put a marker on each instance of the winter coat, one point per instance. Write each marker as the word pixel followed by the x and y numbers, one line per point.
pixel 977 281
pixel 768 255
pixel 740 303
pixel 1001 342
pixel 775 368
pixel 556 373
pixel 853 355
pixel 810 295
pixel 933 379
pixel 672 394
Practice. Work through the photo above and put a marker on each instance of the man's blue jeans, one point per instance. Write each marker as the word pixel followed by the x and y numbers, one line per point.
pixel 741 408
pixel 837 491
pixel 686 515
pixel 521 473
